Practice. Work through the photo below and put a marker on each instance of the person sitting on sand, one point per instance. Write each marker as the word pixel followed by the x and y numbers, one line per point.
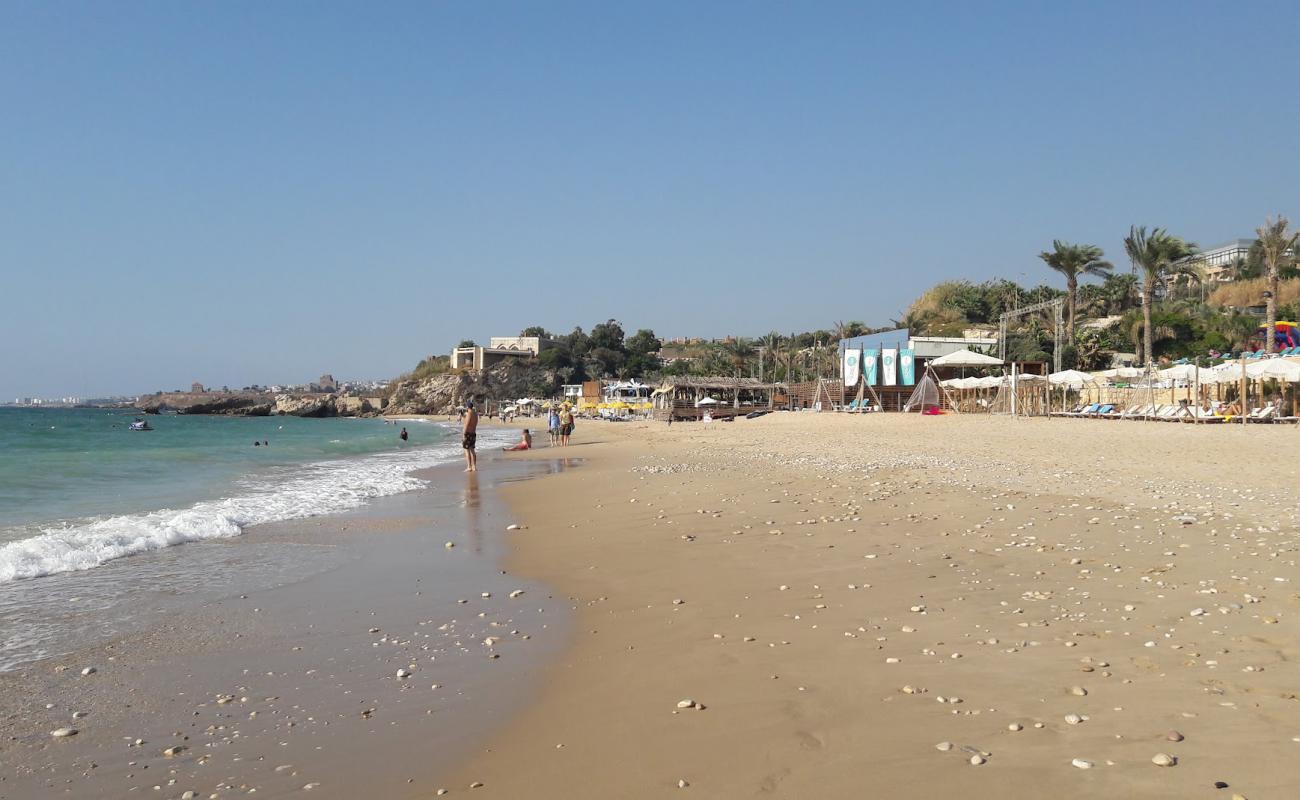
pixel 525 443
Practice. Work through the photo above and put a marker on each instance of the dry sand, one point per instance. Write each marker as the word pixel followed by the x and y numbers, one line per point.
pixel 894 606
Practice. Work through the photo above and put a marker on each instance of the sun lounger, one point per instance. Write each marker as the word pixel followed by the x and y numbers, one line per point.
pixel 1265 414
pixel 1137 412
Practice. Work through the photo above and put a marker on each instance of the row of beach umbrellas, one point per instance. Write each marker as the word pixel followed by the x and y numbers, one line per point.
pixel 1230 372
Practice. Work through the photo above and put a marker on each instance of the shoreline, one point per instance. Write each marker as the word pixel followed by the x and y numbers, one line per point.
pixel 856 591
pixel 286 687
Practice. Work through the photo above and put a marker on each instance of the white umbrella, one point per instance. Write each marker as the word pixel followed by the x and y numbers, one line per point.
pixel 965 358
pixel 1072 378
pixel 705 401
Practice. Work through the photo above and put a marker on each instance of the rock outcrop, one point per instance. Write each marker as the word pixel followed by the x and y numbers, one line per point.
pixel 230 403
pixel 442 394
pixel 249 404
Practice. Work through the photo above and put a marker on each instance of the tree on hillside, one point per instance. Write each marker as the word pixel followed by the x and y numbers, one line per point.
pixel 1275 239
pixel 642 354
pixel 1153 253
pixel 467 343
pixel 537 330
pixel 1073 260
pixel 608 334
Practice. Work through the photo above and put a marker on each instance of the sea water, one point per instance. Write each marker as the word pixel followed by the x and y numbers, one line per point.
pixel 90 509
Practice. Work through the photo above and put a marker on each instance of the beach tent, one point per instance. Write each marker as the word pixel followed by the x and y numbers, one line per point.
pixel 705 401
pixel 925 395
pixel 966 358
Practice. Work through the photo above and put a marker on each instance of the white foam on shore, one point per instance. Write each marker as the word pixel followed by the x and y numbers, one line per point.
pixel 304 490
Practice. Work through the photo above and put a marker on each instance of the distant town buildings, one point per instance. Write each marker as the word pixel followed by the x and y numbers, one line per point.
pixel 52 402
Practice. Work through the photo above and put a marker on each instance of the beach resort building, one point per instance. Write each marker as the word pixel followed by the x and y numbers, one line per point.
pixel 499 349
pixel 1218 261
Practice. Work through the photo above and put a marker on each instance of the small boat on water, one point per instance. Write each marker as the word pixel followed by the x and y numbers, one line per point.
pixel 140 425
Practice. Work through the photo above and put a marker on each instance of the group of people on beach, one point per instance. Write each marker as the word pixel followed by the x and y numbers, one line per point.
pixel 559 423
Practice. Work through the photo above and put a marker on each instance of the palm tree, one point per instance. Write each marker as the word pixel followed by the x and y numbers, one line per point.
pixel 740 351
pixel 1274 240
pixel 1154 253
pixel 769 346
pixel 1073 260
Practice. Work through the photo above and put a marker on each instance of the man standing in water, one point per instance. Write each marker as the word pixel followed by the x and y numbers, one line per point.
pixel 470 432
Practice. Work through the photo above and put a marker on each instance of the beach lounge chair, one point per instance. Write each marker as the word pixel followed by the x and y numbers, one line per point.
pixel 1072 412
pixel 1108 411
pixel 1165 412
pixel 1136 411
pixel 1265 414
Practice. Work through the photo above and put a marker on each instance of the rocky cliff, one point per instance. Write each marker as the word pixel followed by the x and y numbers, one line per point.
pixel 247 404
pixel 441 394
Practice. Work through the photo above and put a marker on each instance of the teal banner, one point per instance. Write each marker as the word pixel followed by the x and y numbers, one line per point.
pixel 870 365
pixel 907 367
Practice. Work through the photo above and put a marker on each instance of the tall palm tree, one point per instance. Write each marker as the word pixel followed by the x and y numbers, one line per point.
pixel 1154 253
pixel 740 351
pixel 770 346
pixel 1073 260
pixel 1274 240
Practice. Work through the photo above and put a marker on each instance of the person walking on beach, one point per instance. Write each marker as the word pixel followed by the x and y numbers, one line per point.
pixel 553 425
pixel 566 425
pixel 468 441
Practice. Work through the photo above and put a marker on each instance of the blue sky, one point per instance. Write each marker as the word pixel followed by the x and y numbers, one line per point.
pixel 247 192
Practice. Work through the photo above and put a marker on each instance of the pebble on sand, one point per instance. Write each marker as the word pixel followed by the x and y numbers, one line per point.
pixel 1082 763
pixel 63 733
pixel 1163 760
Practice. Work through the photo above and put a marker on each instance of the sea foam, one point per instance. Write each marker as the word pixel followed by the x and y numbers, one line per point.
pixel 304 490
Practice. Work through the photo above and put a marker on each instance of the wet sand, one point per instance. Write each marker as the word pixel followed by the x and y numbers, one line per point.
pixel 821 606
pixel 296 688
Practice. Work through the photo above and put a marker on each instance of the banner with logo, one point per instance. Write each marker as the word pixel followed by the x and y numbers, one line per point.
pixel 852 366
pixel 907 367
pixel 870 362
pixel 889 367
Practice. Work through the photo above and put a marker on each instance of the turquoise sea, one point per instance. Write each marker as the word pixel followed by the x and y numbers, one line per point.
pixel 89 507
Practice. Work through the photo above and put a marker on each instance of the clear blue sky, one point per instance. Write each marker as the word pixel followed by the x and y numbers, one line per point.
pixel 242 192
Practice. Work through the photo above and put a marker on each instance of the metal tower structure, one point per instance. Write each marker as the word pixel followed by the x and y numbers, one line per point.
pixel 1057 307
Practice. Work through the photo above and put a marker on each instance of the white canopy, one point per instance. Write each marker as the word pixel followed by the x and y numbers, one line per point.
pixel 1072 378
pixel 965 358
pixel 705 401
pixel 1275 368
pixel 1185 372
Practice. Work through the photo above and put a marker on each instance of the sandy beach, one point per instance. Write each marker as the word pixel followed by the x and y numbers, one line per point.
pixel 794 606
pixel 893 606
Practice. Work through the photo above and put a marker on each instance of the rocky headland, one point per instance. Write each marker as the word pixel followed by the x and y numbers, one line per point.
pixel 442 394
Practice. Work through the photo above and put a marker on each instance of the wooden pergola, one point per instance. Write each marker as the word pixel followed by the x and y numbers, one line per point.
pixel 678 397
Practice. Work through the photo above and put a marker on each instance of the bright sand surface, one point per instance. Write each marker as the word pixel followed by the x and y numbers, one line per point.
pixel 1062 601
